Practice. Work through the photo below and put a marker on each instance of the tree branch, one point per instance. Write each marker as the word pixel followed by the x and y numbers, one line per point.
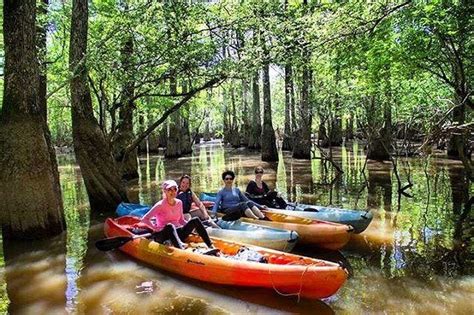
pixel 168 112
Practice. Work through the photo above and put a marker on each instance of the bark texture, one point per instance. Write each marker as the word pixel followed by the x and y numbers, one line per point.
pixel 302 143
pixel 30 195
pixel 127 164
pixel 287 144
pixel 186 141
pixel 173 144
pixel 269 148
pixel 94 155
pixel 234 137
pixel 245 127
pixel 256 130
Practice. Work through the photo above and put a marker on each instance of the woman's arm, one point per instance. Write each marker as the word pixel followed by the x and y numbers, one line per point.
pixel 197 201
pixel 217 202
pixel 152 213
pixel 181 219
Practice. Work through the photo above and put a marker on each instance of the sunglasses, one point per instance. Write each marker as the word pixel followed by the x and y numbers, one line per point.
pixel 228 178
pixel 172 189
pixel 258 172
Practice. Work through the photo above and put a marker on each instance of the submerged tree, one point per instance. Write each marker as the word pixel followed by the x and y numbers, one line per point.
pixel 302 143
pixel 269 149
pixel 256 128
pixel 94 155
pixel 30 195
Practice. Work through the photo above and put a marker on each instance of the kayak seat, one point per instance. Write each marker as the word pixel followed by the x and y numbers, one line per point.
pixel 247 254
pixel 207 251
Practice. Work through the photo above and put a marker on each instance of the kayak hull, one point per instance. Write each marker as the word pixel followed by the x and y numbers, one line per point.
pixel 278 239
pixel 359 220
pixel 318 233
pixel 287 273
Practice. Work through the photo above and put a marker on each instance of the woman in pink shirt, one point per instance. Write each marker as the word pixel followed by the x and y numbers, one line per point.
pixel 166 216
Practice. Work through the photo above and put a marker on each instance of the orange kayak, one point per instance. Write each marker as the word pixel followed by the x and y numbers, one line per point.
pixel 323 234
pixel 319 233
pixel 283 272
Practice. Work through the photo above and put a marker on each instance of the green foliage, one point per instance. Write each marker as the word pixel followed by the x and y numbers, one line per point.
pixel 402 55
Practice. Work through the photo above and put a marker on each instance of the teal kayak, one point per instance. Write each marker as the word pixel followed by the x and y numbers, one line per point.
pixel 279 239
pixel 359 220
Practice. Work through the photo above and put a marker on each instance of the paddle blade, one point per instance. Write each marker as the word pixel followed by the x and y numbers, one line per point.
pixel 112 243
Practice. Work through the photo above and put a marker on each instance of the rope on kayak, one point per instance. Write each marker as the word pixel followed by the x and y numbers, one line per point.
pixel 298 294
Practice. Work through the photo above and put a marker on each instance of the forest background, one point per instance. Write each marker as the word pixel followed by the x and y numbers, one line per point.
pixel 113 78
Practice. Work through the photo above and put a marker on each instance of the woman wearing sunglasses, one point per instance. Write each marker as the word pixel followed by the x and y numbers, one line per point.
pixel 258 191
pixel 166 216
pixel 233 203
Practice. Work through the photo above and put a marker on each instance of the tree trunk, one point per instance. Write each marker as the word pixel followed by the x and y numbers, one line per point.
pixel 288 133
pixel 245 127
pixel 173 144
pixel 234 136
pixel 378 144
pixel 335 136
pixel 128 165
pixel 349 134
pixel 335 132
pixel 99 170
pixel 225 116
pixel 302 143
pixel 42 29
pixel 186 145
pixel 458 147
pixel 457 142
pixel 293 109
pixel 30 194
pixel 163 136
pixel 207 128
pixel 323 139
pixel 269 148
pixel 256 129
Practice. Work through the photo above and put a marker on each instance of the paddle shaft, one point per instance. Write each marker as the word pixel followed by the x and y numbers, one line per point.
pixel 118 241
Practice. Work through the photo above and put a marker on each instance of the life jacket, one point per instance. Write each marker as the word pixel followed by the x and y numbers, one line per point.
pixel 187 198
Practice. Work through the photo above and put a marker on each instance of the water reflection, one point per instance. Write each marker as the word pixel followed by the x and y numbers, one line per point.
pixel 415 250
pixel 34 274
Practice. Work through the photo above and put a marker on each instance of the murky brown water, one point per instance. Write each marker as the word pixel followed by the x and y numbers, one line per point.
pixel 415 257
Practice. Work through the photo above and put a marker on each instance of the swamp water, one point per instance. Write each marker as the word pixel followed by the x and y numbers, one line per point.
pixel 415 257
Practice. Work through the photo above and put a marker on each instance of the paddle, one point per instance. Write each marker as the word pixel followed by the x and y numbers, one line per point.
pixel 107 244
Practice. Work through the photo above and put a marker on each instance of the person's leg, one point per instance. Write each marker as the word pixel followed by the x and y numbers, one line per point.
pixel 205 218
pixel 281 202
pixel 249 214
pixel 255 211
pixel 199 213
pixel 187 216
pixel 194 224
pixel 234 213
pixel 169 233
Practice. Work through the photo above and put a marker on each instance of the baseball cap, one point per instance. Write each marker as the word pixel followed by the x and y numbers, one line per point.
pixel 167 184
